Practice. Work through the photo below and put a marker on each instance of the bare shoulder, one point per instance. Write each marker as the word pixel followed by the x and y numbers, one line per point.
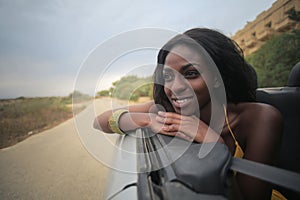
pixel 259 111
pixel 258 120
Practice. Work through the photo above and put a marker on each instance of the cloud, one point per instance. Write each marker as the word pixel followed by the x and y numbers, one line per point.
pixel 26 77
pixel 43 41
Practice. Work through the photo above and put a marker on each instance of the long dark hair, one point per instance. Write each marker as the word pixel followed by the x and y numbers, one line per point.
pixel 238 76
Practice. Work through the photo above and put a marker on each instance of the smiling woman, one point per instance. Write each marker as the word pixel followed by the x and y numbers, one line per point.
pixel 184 85
pixel 186 91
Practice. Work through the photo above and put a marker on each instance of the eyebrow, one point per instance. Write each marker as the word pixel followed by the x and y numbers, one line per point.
pixel 184 67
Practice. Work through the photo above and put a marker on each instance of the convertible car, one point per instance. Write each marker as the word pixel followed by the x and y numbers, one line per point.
pixel 164 168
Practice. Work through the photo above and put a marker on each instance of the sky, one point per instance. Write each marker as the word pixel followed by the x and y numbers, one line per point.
pixel 45 45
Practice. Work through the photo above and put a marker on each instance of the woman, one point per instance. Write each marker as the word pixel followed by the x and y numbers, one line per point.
pixel 184 97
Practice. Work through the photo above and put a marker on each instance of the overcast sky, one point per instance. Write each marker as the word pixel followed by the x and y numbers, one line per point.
pixel 44 43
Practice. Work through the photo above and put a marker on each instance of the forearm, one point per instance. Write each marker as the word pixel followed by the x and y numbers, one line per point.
pixel 131 121
pixel 138 116
pixel 127 121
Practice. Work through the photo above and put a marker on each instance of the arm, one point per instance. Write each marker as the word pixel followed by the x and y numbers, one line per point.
pixel 262 127
pixel 144 115
pixel 138 116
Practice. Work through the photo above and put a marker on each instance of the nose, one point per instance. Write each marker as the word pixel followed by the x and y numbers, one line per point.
pixel 179 84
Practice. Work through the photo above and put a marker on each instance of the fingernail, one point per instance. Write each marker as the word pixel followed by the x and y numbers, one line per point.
pixel 161 113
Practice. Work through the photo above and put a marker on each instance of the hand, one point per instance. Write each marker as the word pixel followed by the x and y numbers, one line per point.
pixel 187 127
pixel 155 125
pixel 158 125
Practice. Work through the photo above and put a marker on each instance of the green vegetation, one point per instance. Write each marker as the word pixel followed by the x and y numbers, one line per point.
pixel 275 59
pixel 22 117
pixel 103 93
pixel 78 97
pixel 129 88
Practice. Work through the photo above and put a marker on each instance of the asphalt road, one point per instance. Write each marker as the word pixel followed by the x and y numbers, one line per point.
pixel 55 164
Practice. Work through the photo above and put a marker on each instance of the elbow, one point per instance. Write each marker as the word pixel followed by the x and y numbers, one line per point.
pixel 101 122
pixel 96 124
pixel 99 125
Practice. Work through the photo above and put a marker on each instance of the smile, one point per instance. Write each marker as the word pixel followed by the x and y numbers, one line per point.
pixel 181 102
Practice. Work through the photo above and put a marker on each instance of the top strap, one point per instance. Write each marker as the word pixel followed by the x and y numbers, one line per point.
pixel 239 153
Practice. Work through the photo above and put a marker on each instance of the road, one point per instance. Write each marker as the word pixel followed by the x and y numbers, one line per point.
pixel 55 164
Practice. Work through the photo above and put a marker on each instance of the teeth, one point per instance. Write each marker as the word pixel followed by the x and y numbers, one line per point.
pixel 181 100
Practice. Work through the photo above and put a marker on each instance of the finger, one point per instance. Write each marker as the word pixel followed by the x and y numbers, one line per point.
pixel 168 133
pixel 176 116
pixel 171 121
pixel 160 119
pixel 170 128
pixel 183 136
pixel 169 115
pixel 165 120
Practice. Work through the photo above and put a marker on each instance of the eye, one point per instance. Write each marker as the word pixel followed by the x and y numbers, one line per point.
pixel 168 76
pixel 191 74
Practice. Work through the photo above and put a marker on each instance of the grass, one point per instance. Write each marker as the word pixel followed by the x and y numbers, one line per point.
pixel 23 117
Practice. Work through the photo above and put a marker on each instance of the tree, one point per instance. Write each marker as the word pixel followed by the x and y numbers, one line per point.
pixel 275 59
pixel 79 97
pixel 103 93
pixel 131 87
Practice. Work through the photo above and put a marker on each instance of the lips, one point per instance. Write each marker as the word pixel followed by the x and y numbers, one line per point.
pixel 181 102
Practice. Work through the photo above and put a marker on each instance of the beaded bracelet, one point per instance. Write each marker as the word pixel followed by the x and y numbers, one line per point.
pixel 113 121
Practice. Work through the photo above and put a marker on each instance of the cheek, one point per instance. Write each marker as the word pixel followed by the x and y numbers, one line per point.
pixel 200 88
pixel 167 90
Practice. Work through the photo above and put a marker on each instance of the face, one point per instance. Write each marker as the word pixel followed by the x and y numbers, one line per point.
pixel 184 83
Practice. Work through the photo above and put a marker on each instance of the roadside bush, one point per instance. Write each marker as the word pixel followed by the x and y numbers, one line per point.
pixel 275 59
pixel 131 88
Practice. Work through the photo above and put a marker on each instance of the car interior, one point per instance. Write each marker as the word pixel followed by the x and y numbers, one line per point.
pixel 287 100
pixel 192 177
